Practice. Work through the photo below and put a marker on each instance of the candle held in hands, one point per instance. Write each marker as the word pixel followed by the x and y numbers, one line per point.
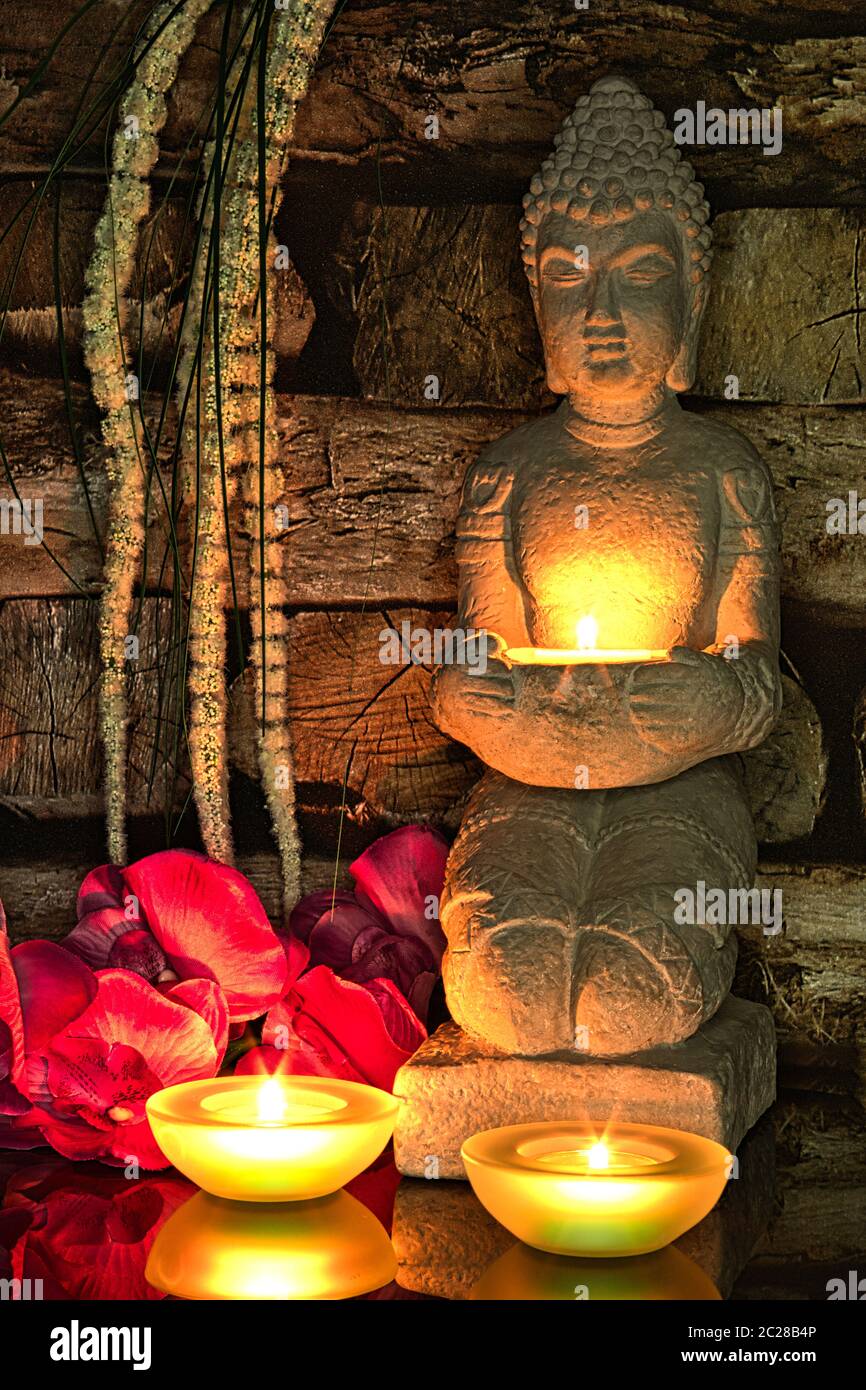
pixel 586 653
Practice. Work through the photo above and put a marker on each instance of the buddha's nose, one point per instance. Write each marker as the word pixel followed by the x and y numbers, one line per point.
pixel 602 307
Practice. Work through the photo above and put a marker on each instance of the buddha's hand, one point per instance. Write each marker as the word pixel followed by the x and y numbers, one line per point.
pixel 692 702
pixel 484 686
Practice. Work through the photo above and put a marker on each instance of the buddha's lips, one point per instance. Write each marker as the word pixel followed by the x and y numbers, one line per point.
pixel 605 349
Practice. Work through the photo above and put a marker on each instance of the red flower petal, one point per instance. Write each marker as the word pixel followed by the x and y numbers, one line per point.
pixel 89 1234
pixel 209 1002
pixel 330 1027
pixel 175 1042
pixel 105 913
pixel 297 957
pixel 262 1061
pixel 311 909
pixel 335 935
pixel 12 1041
pixel 210 924
pixel 403 1026
pixel 129 1042
pixel 55 988
pixel 399 876
pixel 89 1077
pixel 103 887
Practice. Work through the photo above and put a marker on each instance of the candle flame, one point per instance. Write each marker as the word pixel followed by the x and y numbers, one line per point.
pixel 271 1100
pixel 597 1156
pixel 587 634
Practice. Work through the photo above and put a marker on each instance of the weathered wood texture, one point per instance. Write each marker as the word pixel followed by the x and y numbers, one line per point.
pixel 784 315
pixel 50 749
pixel 353 719
pixel 813 975
pixel 821 1193
pixel 372 497
pixel 39 897
pixel 356 721
pixel 27 252
pixel 157 288
pixel 501 81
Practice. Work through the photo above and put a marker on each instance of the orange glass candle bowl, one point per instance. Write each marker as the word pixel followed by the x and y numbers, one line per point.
pixel 593 1189
pixel 271 1139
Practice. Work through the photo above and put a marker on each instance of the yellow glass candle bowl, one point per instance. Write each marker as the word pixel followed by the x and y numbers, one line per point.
pixel 318 1136
pixel 595 1190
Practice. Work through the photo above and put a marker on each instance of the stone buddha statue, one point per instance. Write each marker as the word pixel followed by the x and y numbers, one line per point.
pixel 609 787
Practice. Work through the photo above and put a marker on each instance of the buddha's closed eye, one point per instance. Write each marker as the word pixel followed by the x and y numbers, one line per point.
pixel 564 272
pixel 647 272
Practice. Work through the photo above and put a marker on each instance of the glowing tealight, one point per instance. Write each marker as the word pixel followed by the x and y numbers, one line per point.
pixel 281 1139
pixel 332 1247
pixel 272 1101
pixel 561 1188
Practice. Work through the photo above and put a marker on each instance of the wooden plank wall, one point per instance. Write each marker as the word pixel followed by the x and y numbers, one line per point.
pixel 388 227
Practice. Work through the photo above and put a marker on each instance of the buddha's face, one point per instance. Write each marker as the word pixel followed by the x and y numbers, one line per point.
pixel 612 309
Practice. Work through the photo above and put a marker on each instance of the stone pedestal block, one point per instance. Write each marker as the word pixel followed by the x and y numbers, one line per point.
pixel 717 1083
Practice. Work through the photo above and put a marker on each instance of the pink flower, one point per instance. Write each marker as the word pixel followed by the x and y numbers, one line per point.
pixel 90 1047
pixel 389 926
pixel 327 1026
pixel 179 915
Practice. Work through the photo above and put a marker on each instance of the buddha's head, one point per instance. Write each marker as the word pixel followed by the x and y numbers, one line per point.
pixel 616 245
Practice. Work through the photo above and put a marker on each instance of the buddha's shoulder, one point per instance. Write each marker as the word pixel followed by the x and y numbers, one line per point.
pixel 745 484
pixel 722 448
pixel 510 450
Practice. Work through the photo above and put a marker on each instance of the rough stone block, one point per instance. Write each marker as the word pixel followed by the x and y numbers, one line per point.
pixel 717 1083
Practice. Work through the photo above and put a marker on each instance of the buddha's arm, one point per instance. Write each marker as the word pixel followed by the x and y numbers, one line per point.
pixel 473 703
pixel 729 695
pixel 748 611
pixel 490 594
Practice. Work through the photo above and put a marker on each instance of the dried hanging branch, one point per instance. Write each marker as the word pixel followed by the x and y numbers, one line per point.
pixel 107 351
pixel 227 433
pixel 287 81
pixel 236 446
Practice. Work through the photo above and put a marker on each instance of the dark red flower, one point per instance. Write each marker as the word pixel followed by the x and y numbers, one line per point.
pixel 389 926
pixel 17 1127
pixel 327 1026
pixel 89 1048
pixel 179 915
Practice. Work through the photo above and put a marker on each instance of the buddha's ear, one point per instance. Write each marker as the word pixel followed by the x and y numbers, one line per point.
pixel 554 384
pixel 681 373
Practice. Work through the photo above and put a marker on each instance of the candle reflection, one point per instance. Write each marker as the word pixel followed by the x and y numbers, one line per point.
pixel 524 1274
pixel 328 1248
